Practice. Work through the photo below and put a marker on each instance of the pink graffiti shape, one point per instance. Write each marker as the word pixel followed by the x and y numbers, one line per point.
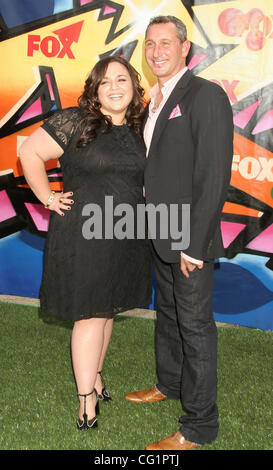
pixel 196 59
pixel 230 230
pixel 108 10
pixel 56 174
pixel 39 215
pixel 265 123
pixel 263 242
pixel 34 110
pixel 243 117
pixel 232 22
pixel 84 2
pixel 50 87
pixel 6 208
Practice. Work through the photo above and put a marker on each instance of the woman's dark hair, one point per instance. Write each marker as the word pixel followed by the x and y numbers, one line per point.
pixel 89 104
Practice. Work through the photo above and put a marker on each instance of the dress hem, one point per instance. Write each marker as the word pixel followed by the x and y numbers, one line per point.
pixel 93 314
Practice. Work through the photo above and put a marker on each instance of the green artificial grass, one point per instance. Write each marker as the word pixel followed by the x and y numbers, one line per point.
pixel 39 404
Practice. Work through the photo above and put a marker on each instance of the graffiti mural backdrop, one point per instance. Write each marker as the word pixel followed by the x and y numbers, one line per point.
pixel 48 48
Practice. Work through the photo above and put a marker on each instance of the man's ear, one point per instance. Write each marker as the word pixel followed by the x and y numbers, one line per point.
pixel 186 48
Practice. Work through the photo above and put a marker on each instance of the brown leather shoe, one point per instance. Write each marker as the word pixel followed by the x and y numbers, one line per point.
pixel 174 442
pixel 150 395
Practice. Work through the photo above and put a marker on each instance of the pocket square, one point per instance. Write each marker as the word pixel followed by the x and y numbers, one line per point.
pixel 176 112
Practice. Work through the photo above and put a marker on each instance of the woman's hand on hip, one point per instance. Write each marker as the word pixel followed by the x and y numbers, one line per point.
pixel 61 202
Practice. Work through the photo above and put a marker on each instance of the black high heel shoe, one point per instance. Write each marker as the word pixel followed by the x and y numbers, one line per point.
pixel 86 423
pixel 104 395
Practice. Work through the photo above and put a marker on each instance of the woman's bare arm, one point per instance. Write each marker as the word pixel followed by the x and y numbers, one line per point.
pixel 37 149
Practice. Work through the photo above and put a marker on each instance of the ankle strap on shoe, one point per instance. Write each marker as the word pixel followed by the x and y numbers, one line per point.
pixel 85 394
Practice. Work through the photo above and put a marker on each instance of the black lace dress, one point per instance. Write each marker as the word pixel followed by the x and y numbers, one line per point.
pixel 88 277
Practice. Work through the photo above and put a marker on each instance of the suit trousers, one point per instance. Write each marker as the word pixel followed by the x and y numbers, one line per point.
pixel 186 346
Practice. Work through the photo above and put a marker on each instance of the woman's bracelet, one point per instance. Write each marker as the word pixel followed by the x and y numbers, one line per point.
pixel 50 199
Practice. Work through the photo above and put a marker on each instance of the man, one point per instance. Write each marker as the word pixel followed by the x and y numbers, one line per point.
pixel 189 138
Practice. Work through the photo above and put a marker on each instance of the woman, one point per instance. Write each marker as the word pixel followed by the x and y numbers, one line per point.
pixel 86 279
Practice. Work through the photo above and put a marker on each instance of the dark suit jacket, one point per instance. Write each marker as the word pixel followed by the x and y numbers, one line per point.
pixel 189 161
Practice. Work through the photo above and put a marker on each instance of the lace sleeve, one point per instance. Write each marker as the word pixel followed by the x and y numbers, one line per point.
pixel 62 125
